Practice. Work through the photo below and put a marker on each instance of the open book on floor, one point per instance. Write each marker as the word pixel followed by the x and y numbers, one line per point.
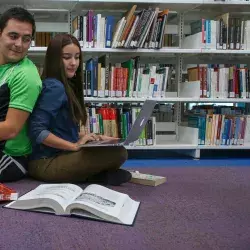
pixel 95 202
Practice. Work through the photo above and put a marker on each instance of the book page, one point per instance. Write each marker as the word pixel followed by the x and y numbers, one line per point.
pixel 102 199
pixel 64 194
pixel 128 211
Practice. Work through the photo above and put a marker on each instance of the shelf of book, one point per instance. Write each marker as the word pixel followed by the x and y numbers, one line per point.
pixel 194 10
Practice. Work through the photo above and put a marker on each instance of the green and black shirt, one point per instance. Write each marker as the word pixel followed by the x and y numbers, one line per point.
pixel 20 86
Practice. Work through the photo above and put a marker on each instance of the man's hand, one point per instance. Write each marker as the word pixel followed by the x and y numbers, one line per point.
pixel 13 123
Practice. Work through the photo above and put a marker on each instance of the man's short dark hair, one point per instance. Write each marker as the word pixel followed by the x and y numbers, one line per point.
pixel 19 14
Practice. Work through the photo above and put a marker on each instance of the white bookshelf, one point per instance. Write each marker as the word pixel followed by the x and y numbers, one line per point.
pixel 60 12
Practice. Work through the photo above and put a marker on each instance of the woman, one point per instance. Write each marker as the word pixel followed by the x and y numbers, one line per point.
pixel 54 125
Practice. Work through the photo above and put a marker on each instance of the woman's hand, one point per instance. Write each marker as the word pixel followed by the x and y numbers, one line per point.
pixel 107 138
pixel 88 137
pixel 82 134
pixel 92 137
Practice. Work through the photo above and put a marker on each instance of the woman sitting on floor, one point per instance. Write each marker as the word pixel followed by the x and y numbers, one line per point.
pixel 54 125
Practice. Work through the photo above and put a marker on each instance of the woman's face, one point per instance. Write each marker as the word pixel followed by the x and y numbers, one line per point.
pixel 71 59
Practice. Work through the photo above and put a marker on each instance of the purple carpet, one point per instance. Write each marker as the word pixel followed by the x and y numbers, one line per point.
pixel 198 208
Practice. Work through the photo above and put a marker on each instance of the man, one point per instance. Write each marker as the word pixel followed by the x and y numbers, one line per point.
pixel 20 86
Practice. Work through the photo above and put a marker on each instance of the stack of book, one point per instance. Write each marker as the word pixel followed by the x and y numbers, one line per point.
pixel 224 32
pixel 7 194
pixel 129 78
pixel 144 29
pixel 221 80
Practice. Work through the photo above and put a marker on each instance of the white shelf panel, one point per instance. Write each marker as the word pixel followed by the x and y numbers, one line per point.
pixel 227 3
pixel 144 1
pixel 52 27
pixel 180 5
pixel 37 49
pixel 223 7
pixel 180 146
pixel 169 50
pixel 167 100
pixel 216 51
pixel 40 4
pixel 134 99
pixel 162 52
pixel 221 147
pixel 114 99
pixel 224 100
pixel 171 145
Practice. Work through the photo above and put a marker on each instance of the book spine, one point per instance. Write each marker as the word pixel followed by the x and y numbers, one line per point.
pixel 109 31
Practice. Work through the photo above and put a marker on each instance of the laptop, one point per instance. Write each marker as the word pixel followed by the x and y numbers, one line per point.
pixel 134 132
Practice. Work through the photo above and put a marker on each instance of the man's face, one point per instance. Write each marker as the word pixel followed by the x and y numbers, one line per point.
pixel 15 40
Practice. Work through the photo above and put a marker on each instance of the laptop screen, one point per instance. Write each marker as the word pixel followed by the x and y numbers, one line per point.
pixel 140 121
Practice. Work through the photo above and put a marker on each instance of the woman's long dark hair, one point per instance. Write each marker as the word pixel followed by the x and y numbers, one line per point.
pixel 54 68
